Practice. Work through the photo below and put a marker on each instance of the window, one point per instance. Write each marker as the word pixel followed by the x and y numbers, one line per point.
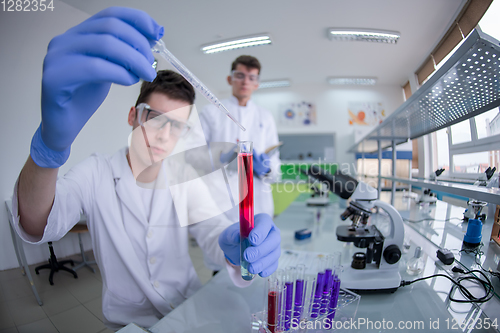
pixel 488 124
pixel 460 132
pixel 471 163
pixel 442 151
pixel 474 145
pixel 489 23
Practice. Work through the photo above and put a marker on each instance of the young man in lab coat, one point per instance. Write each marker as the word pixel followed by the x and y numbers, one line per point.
pixel 260 129
pixel 139 244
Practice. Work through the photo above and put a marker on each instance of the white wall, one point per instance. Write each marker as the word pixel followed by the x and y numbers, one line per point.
pixel 331 107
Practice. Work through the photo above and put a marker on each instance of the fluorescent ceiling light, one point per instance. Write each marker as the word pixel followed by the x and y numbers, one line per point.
pixel 364 81
pixel 237 43
pixel 274 84
pixel 365 35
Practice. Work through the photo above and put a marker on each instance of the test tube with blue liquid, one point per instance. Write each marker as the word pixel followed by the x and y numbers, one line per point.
pixel 245 184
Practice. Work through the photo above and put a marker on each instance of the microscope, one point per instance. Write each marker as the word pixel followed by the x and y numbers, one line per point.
pixel 374 269
pixel 427 195
pixel 475 207
pixel 436 174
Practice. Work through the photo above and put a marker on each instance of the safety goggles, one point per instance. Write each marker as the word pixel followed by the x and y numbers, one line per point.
pixel 157 120
pixel 240 76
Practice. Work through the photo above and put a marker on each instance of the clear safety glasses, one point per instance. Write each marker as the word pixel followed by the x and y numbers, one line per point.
pixel 240 76
pixel 157 120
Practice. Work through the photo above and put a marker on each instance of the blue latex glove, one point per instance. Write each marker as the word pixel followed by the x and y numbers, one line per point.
pixel 261 163
pixel 113 46
pixel 264 252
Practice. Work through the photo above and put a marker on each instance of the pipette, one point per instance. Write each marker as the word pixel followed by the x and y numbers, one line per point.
pixel 160 48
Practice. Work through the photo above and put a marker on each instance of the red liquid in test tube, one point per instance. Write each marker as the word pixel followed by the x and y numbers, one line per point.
pixel 272 310
pixel 245 184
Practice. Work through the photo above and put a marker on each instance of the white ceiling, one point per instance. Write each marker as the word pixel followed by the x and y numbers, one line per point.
pixel 301 50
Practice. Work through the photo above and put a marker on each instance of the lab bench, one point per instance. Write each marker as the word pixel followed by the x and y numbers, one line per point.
pixel 219 306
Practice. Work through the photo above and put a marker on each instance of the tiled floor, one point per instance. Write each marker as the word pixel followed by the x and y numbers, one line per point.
pixel 69 306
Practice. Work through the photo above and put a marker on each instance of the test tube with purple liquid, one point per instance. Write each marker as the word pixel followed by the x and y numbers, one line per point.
pixel 335 292
pixel 327 289
pixel 320 285
pixel 299 292
pixel 289 280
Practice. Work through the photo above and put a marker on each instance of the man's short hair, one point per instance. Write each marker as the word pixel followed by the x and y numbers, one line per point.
pixel 246 60
pixel 169 83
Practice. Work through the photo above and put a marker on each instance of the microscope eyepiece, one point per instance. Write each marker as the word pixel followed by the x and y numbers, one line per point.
pixel 341 184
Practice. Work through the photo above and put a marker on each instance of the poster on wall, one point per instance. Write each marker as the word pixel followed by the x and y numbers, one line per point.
pixel 366 113
pixel 297 114
pixel 365 116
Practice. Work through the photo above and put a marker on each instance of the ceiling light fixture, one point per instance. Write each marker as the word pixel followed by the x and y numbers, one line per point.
pixel 274 84
pixel 237 43
pixel 360 81
pixel 364 35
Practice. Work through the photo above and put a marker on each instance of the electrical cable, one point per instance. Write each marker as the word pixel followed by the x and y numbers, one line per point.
pixel 477 255
pixel 457 284
pixel 475 251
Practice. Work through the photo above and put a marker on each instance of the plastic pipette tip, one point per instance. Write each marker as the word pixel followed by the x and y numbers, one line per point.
pixel 160 47
pixel 232 118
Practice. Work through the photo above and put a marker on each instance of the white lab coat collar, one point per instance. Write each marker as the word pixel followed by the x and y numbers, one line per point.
pixel 250 103
pixel 123 174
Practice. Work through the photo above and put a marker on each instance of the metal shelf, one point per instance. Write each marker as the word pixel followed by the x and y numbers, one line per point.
pixel 491 195
pixel 465 86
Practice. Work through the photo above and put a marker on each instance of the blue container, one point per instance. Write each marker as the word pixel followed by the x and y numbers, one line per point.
pixel 473 235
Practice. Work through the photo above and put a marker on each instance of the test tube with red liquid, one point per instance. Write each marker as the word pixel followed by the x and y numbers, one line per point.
pixel 245 184
pixel 272 301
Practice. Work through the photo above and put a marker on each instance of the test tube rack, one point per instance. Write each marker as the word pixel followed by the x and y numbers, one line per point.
pixel 346 310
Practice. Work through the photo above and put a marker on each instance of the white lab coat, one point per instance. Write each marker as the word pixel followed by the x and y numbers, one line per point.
pixel 146 269
pixel 261 129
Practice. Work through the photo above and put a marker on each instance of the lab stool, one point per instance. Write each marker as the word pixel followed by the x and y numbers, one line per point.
pixel 79 229
pixel 55 265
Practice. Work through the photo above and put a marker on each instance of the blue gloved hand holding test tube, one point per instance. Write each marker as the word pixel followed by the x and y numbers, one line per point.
pixel 113 46
pixel 264 252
